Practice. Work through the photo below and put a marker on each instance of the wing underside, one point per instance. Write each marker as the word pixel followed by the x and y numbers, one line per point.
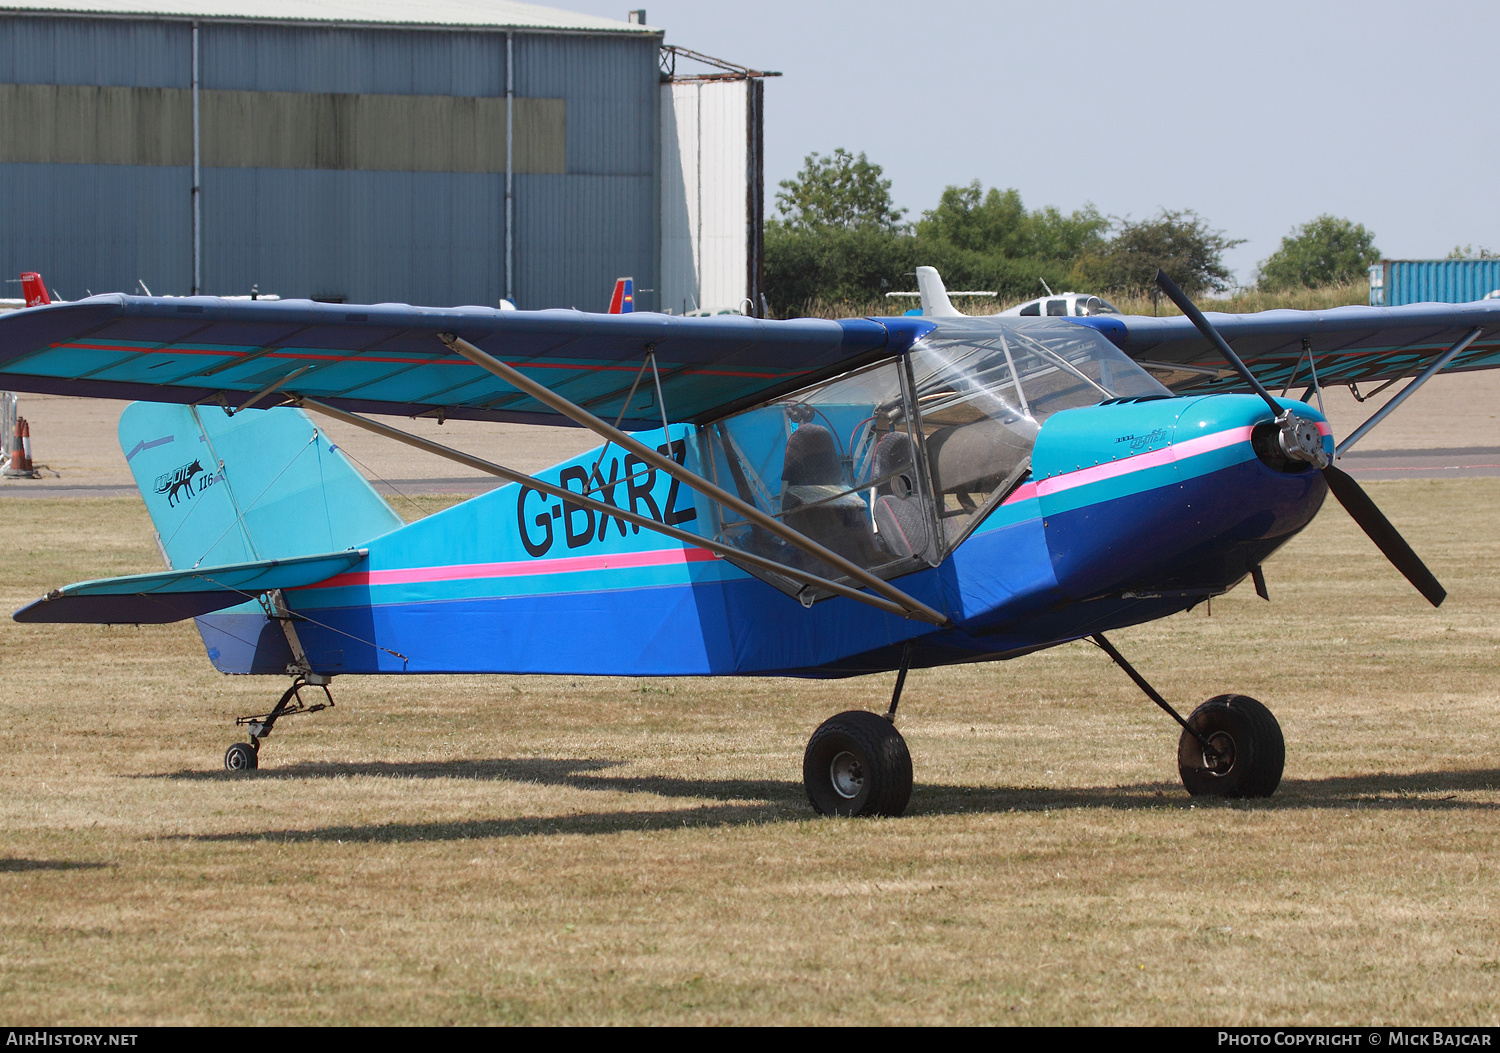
pixel 1359 345
pixel 389 358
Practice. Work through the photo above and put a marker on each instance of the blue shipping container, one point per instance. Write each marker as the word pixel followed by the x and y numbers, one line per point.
pixel 1395 282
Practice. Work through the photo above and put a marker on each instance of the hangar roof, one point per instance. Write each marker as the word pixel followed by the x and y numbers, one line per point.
pixel 476 14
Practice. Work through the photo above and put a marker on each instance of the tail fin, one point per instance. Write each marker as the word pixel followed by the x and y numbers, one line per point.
pixel 623 301
pixel 934 295
pixel 263 484
pixel 34 289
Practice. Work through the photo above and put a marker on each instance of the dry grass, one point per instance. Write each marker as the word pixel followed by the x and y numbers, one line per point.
pixel 587 851
pixel 1247 301
pixel 1244 301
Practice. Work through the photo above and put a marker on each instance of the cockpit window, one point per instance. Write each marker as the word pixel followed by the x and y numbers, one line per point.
pixel 1031 310
pixel 1085 306
pixel 835 463
pixel 1057 308
pixel 892 466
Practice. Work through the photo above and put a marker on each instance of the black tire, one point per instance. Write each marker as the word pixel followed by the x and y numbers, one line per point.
pixel 857 764
pixel 241 757
pixel 1253 750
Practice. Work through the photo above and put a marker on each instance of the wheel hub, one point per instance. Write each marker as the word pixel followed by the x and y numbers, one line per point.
pixel 1219 760
pixel 847 775
pixel 1301 440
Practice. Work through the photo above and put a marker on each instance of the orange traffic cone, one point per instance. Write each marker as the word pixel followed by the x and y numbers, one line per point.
pixel 20 466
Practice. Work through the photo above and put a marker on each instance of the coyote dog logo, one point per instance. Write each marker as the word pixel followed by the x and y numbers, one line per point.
pixel 180 481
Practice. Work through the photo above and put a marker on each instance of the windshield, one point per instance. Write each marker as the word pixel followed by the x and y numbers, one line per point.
pixel 983 393
pixel 1085 306
pixel 892 465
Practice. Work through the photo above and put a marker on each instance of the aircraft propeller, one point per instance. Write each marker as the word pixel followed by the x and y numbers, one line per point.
pixel 1300 441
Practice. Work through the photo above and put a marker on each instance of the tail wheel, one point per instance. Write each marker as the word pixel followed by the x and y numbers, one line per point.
pixel 857 764
pixel 241 757
pixel 1247 755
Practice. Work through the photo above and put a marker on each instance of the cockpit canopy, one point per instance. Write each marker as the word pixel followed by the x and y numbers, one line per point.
pixel 891 466
pixel 1063 305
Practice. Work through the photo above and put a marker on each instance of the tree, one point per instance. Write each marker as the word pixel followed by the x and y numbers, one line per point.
pixel 997 223
pixel 1323 251
pixel 1180 243
pixel 831 265
pixel 1469 252
pixel 840 191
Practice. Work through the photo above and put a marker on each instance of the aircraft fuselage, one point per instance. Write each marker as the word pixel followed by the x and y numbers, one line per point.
pixel 1134 510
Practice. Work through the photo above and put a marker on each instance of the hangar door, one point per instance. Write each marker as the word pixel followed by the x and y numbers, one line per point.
pixel 712 187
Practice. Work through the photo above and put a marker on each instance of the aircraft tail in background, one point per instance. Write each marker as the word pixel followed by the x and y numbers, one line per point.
pixel 623 301
pixel 935 302
pixel 34 289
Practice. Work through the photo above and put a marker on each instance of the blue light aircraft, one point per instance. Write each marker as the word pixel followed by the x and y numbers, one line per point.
pixel 805 498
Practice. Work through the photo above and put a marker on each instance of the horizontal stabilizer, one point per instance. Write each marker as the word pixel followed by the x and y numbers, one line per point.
pixel 171 596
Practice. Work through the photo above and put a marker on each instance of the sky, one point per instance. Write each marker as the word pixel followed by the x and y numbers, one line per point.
pixel 1257 116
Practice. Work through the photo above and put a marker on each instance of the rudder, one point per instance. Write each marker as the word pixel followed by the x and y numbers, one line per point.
pixel 260 485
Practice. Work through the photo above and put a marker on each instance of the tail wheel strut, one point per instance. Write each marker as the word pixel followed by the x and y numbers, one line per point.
pixel 245 756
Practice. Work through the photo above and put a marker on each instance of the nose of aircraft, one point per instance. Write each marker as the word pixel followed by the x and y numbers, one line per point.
pixel 1169 494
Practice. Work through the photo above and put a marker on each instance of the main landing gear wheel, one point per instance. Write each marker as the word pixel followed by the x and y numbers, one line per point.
pixel 1248 750
pixel 857 764
pixel 241 757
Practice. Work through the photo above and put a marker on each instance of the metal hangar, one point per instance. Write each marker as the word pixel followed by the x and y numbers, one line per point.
pixel 436 152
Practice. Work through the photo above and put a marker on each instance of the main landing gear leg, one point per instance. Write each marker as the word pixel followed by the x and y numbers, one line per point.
pixel 245 756
pixel 1231 746
pixel 857 763
pixel 890 714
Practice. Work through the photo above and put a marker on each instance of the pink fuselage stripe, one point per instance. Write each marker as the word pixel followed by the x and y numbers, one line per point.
pixel 1140 462
pixel 518 568
pixel 666 557
pixel 1024 492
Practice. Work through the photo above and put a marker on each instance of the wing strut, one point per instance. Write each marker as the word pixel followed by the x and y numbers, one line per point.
pixel 914 608
pixel 910 608
pixel 1400 397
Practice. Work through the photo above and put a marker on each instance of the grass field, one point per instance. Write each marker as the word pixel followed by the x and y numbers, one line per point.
pixel 550 850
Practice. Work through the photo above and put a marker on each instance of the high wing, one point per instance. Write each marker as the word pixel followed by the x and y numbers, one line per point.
pixel 388 358
pixel 1347 344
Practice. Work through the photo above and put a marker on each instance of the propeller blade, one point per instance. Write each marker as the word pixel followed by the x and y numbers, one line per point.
pixel 1355 501
pixel 1374 523
pixel 1211 334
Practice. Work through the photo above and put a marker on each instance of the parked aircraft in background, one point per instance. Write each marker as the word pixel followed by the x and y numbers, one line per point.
pixel 1063 305
pixel 35 290
pixel 935 302
pixel 805 498
pixel 623 300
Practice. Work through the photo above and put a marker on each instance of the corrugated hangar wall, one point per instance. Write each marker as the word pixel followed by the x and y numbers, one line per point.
pixel 344 163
